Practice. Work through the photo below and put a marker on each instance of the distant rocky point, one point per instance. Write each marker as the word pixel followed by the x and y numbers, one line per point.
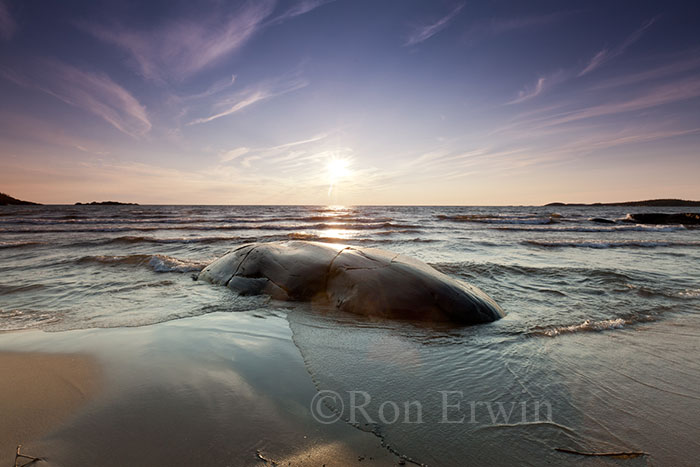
pixel 106 203
pixel 7 200
pixel 649 202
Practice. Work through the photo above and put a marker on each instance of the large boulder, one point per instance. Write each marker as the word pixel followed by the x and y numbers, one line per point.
pixel 364 281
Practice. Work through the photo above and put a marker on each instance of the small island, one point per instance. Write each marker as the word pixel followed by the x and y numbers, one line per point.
pixel 106 203
pixel 648 202
pixel 7 200
pixel 683 218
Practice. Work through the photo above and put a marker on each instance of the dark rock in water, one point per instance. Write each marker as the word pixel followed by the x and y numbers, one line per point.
pixel 364 281
pixel 600 220
pixel 686 218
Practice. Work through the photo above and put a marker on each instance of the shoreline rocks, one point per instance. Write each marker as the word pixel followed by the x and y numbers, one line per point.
pixel 363 281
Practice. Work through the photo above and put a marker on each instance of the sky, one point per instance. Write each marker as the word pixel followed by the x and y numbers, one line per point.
pixel 349 101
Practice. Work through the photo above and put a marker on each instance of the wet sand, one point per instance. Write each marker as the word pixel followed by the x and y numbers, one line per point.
pixel 39 392
pixel 233 389
pixel 221 389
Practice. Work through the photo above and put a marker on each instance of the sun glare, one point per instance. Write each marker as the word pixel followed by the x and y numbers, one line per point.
pixel 337 169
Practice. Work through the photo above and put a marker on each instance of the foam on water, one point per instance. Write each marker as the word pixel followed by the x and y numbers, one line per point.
pixel 158 263
pixel 586 326
pixel 610 244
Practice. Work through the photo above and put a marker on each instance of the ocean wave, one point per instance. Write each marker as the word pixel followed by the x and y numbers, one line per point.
pixel 158 263
pixel 689 293
pixel 138 239
pixel 10 289
pixel 71 230
pixel 233 227
pixel 233 240
pixel 336 226
pixel 402 231
pixel 14 320
pixel 486 219
pixel 71 220
pixel 18 244
pixel 474 269
pixel 586 326
pixel 617 228
pixel 601 244
pixel 309 237
pixel 646 291
pixel 350 241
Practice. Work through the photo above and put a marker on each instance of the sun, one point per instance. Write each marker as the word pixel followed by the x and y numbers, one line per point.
pixel 337 169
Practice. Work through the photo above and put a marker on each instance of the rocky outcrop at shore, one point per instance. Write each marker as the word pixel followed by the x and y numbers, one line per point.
pixel 363 281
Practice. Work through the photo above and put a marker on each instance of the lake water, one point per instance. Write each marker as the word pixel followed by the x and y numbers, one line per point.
pixel 598 351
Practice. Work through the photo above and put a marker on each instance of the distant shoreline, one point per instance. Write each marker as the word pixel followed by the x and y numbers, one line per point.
pixel 6 200
pixel 105 203
pixel 649 202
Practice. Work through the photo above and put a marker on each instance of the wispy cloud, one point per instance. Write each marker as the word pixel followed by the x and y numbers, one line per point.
pixel 547 81
pixel 8 26
pixel 253 94
pixel 93 92
pixel 503 25
pixel 448 164
pixel 215 88
pixel 594 138
pixel 613 120
pixel 529 93
pixel 423 33
pixel 542 83
pixel 687 61
pixel 301 142
pixel 45 133
pixel 180 48
pixel 663 94
pixel 634 136
pixel 300 8
pixel 482 29
pixel 233 154
pixel 605 55
pixel 277 154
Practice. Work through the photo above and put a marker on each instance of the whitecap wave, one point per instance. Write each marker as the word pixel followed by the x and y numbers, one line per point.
pixel 488 219
pixel 158 263
pixel 17 244
pixel 606 244
pixel 690 293
pixel 14 320
pixel 586 326
pixel 616 228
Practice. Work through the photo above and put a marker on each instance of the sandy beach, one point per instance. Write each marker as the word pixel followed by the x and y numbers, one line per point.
pixel 232 389
pixel 40 392
pixel 212 390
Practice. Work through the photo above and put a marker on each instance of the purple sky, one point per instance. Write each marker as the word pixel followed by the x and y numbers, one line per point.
pixel 349 102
